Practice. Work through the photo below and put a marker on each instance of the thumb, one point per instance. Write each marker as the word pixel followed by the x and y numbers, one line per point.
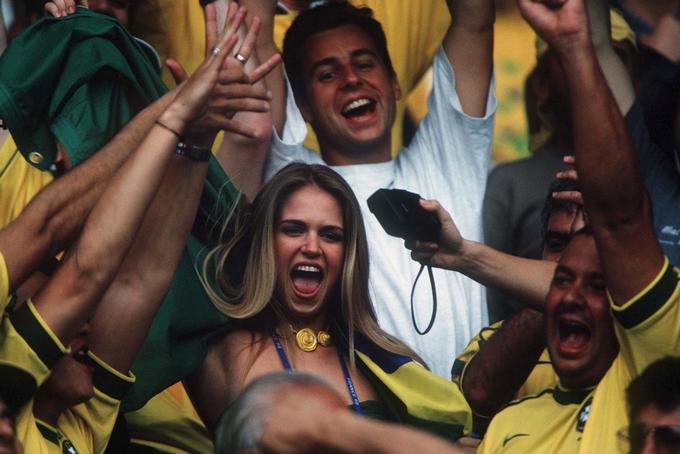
pixel 178 72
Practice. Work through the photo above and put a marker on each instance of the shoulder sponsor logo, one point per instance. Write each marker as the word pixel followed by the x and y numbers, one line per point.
pixel 510 437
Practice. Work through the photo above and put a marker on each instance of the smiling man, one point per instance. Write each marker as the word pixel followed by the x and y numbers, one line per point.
pixel 345 86
pixel 612 308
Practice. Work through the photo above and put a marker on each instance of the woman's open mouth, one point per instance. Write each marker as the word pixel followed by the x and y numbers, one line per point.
pixel 306 280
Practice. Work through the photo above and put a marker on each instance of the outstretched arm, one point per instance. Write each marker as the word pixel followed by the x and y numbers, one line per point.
pixel 52 220
pixel 526 280
pixel 469 46
pixel 70 296
pixel 341 431
pixel 503 363
pixel 613 193
pixel 132 300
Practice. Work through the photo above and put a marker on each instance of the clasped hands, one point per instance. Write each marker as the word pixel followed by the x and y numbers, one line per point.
pixel 222 85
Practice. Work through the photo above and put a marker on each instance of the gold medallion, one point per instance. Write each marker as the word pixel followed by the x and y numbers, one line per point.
pixel 324 338
pixel 306 340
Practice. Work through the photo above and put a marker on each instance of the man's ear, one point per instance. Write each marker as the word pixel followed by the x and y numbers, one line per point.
pixel 396 88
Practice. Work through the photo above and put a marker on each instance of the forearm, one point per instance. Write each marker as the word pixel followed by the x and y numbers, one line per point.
pixel 614 196
pixel 469 47
pixel 344 432
pixel 54 217
pixel 526 280
pixel 503 363
pixel 243 158
pixel 265 47
pixel 93 261
pixel 130 303
pixel 613 193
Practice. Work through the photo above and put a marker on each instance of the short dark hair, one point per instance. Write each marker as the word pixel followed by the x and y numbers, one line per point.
pixel 326 17
pixel 553 205
pixel 659 385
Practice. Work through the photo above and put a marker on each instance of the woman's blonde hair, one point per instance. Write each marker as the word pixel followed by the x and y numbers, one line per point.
pixel 246 287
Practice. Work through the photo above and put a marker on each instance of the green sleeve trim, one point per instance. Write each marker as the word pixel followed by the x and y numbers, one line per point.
pixel 48 432
pixel 648 303
pixel 35 332
pixel 570 396
pixel 457 368
pixel 17 386
pixel 108 380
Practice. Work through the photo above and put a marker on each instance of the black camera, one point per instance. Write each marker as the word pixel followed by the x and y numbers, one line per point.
pixel 400 214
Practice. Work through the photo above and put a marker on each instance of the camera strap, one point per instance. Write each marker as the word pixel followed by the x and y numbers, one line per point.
pixel 434 300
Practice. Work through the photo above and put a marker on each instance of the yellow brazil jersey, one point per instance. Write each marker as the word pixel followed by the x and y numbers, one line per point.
pixel 648 328
pixel 28 351
pixel 176 29
pixel 169 424
pixel 19 181
pixel 541 377
pixel 84 428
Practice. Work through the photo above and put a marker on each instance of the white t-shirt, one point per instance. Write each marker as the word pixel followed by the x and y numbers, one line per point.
pixel 447 160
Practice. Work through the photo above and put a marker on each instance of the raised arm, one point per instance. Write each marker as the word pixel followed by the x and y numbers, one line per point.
pixel 527 280
pixel 613 193
pixel 53 219
pixel 469 46
pixel 70 296
pixel 133 298
pixel 503 363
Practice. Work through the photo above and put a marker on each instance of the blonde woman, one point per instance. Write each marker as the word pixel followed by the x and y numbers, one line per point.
pixel 295 276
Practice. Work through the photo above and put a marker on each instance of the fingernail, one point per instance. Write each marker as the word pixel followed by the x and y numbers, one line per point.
pixel 269 94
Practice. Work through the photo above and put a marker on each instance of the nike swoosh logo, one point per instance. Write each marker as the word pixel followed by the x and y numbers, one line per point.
pixel 510 437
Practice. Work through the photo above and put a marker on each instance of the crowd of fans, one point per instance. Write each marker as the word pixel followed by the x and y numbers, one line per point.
pixel 181 273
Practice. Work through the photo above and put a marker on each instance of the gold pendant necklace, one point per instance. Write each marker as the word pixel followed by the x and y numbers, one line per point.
pixel 307 340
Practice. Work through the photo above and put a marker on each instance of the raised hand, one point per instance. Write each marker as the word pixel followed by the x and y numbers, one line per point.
pixel 562 23
pixel 569 175
pixel 62 8
pixel 235 88
pixel 444 252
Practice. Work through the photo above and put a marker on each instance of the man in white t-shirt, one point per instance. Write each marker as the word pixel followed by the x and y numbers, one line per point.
pixel 344 84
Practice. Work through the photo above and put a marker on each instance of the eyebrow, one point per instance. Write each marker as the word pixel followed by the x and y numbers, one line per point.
pixel 334 60
pixel 563 269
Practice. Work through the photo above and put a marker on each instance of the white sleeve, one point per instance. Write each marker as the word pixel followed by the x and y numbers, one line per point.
pixel 289 148
pixel 450 154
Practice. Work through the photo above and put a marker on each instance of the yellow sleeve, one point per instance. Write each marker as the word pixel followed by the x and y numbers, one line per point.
pixel 89 425
pixel 648 326
pixel 28 350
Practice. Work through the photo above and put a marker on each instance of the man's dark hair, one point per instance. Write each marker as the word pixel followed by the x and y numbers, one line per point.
pixel 658 385
pixel 553 205
pixel 326 17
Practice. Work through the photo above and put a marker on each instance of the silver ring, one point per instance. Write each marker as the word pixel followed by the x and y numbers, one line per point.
pixel 241 59
pixel 215 50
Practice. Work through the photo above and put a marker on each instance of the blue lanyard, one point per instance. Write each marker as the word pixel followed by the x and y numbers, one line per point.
pixel 343 365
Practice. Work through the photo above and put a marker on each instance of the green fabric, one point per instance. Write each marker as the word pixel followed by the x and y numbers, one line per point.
pixel 78 79
pixel 186 322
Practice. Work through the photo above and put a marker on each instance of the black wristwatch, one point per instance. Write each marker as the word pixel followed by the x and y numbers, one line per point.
pixel 193 152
